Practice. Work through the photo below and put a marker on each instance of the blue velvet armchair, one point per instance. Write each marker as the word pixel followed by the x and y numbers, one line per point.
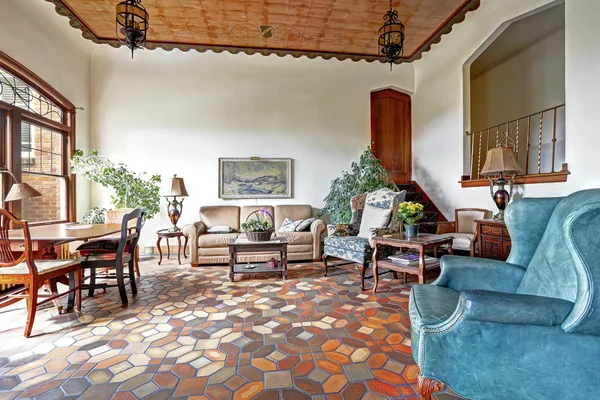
pixel 527 328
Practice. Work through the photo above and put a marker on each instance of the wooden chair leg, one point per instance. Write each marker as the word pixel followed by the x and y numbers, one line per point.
pixel 54 291
pixel 395 274
pixel 78 280
pixel 92 287
pixel 324 258
pixel 363 271
pixel 132 278
pixel 136 256
pixel 31 309
pixel 71 296
pixel 121 283
pixel 427 386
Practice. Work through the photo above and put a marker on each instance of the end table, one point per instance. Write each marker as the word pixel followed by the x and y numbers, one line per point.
pixel 165 233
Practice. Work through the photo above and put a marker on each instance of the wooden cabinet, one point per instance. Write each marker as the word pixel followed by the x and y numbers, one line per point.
pixel 391 132
pixel 493 239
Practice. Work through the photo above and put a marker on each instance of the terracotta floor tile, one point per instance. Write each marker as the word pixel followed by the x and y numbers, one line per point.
pixel 190 334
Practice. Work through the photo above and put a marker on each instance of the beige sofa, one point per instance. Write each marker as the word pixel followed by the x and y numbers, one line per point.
pixel 210 248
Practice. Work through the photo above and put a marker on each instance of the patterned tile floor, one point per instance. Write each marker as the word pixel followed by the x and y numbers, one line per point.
pixel 192 334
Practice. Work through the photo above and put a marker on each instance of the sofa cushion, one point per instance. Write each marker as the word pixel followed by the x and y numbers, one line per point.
pixel 220 229
pixel 305 224
pixel 221 215
pixel 293 211
pixel 297 237
pixel 373 217
pixel 215 239
pixel 289 225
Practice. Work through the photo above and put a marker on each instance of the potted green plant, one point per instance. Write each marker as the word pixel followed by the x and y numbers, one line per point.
pixel 410 213
pixel 258 226
pixel 366 175
pixel 131 190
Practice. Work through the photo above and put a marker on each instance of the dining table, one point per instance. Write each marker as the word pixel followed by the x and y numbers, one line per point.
pixel 45 238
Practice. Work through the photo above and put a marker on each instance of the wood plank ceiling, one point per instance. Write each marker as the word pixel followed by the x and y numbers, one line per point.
pixel 342 29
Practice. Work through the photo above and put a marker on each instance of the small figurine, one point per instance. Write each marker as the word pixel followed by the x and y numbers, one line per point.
pixel 272 263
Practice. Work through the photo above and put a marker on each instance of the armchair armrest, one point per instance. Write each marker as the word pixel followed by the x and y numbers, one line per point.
pixel 193 231
pixel 316 229
pixel 468 273
pixel 445 227
pixel 343 229
pixel 515 309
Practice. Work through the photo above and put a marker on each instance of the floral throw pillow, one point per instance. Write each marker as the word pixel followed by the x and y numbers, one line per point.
pixel 304 224
pixel 289 225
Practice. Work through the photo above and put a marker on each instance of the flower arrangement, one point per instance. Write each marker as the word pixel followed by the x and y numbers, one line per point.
pixel 410 213
pixel 260 223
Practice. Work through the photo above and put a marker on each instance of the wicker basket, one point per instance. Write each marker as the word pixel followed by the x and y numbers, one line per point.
pixel 264 236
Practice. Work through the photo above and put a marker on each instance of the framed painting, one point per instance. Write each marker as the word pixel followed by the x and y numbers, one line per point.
pixel 255 178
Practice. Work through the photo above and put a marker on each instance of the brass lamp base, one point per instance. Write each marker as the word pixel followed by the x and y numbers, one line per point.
pixel 501 197
pixel 174 211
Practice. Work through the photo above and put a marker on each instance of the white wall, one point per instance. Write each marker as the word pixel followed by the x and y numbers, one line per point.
pixel 179 112
pixel 440 117
pixel 32 33
pixel 528 82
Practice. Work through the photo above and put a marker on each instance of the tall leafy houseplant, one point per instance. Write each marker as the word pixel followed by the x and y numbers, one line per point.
pixel 130 190
pixel 366 175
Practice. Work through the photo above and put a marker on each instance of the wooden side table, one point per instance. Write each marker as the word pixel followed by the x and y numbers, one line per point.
pixel 421 243
pixel 164 233
pixel 237 246
pixel 493 239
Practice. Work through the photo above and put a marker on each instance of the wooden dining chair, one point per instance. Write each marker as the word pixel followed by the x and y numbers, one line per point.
pixel 116 260
pixel 33 274
pixel 115 216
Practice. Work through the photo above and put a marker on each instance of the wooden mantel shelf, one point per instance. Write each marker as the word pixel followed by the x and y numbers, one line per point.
pixel 549 177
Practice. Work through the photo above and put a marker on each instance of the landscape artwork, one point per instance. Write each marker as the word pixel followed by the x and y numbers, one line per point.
pixel 255 178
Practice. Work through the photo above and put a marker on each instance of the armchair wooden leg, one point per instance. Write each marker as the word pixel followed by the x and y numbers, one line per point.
pixel 363 271
pixel 324 258
pixel 426 386
pixel 31 309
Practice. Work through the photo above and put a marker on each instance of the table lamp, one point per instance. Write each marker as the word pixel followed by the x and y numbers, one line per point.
pixel 175 207
pixel 499 161
pixel 19 191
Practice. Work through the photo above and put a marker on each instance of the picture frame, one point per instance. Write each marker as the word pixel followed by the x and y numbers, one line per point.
pixel 255 178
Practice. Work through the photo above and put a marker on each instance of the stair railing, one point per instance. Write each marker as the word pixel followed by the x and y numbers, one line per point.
pixel 534 139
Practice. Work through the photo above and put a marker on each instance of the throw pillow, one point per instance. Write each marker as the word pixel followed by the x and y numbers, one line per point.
pixel 289 225
pixel 220 229
pixel 304 224
pixel 373 217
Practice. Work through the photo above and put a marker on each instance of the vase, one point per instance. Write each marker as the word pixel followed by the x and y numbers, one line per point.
pixel 411 231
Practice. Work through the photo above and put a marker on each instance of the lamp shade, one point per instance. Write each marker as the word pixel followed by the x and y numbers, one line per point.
pixel 500 160
pixel 178 187
pixel 21 191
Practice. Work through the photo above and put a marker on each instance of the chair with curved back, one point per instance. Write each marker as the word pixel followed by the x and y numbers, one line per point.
pixel 463 229
pixel 33 274
pixel 527 328
pixel 116 259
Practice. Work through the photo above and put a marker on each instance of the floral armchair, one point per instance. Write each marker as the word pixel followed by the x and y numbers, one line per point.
pixel 343 240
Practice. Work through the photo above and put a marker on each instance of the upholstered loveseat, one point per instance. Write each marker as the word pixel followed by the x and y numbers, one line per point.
pixel 527 328
pixel 211 248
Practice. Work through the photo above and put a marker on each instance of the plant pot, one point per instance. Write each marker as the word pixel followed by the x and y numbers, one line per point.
pixel 411 231
pixel 259 236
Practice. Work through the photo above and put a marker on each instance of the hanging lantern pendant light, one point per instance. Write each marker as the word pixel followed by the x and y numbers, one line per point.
pixel 132 24
pixel 391 37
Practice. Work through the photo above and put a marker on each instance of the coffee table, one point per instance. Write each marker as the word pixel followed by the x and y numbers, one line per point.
pixel 240 246
pixel 421 243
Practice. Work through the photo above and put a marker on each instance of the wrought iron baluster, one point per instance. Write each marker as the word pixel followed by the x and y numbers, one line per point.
pixel 539 157
pixel 497 134
pixel 554 141
pixel 470 154
pixel 479 155
pixel 528 144
pixel 517 142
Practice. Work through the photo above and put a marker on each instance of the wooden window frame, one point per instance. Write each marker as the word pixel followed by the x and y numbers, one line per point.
pixel 11 136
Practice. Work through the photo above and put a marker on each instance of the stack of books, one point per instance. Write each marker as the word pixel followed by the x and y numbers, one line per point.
pixel 411 259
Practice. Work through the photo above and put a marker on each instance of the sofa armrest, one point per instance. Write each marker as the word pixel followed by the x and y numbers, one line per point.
pixel 193 231
pixel 445 227
pixel 515 309
pixel 468 273
pixel 316 229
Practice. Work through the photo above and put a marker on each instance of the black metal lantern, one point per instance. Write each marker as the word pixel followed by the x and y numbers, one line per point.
pixel 391 37
pixel 132 24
